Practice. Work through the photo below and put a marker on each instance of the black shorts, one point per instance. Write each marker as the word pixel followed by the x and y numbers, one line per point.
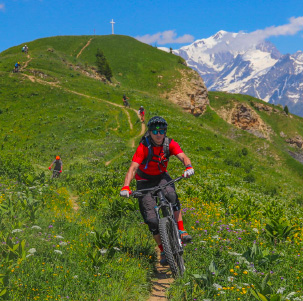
pixel 147 203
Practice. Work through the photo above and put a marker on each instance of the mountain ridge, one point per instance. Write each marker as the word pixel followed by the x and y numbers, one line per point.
pixel 228 62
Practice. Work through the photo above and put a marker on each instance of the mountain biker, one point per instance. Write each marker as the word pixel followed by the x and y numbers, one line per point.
pixel 125 100
pixel 141 112
pixel 58 165
pixel 17 65
pixel 149 168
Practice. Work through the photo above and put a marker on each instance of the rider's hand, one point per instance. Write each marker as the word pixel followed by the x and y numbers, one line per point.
pixel 49 168
pixel 189 171
pixel 125 192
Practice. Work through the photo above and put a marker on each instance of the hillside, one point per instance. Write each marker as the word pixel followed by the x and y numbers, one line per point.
pixel 57 105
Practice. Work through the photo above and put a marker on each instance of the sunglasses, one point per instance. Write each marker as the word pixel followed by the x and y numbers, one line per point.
pixel 155 132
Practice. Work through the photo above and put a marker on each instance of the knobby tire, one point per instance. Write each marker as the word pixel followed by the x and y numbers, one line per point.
pixel 170 243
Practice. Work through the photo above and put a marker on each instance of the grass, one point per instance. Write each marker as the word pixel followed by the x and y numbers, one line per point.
pixel 242 183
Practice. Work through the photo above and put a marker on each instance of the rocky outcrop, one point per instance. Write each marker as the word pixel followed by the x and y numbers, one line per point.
pixel 245 118
pixel 297 141
pixel 190 93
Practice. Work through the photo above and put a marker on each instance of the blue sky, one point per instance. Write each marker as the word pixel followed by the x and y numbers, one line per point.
pixel 162 23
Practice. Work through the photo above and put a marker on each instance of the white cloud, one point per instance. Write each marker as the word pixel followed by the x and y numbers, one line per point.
pixel 244 41
pixel 165 37
pixel 2 7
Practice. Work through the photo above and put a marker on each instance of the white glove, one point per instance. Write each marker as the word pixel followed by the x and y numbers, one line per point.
pixel 125 192
pixel 189 171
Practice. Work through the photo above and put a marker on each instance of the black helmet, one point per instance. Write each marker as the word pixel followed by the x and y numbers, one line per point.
pixel 156 123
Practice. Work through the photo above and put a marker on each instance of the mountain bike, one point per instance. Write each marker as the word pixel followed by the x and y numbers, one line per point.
pixel 126 103
pixel 168 227
pixel 56 174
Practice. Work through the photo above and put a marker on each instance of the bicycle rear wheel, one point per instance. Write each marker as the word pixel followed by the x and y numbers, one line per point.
pixel 171 247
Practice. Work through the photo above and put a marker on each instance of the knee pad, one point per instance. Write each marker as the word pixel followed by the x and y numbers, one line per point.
pixel 153 225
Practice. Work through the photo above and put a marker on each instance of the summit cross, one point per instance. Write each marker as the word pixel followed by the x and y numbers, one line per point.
pixel 112 23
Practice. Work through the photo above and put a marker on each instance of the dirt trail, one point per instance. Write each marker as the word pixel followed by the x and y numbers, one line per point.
pixel 161 281
pixel 57 84
pixel 26 63
pixel 84 47
pixel 74 199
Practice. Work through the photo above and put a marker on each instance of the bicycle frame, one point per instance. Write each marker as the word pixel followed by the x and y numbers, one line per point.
pixel 162 204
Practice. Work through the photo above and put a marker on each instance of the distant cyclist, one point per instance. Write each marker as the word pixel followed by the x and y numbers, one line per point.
pixel 17 65
pixel 125 101
pixel 149 168
pixel 57 167
pixel 141 112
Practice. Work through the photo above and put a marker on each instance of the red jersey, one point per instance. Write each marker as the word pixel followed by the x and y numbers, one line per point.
pixel 154 168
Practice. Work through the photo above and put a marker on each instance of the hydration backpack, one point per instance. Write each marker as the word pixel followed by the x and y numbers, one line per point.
pixel 146 141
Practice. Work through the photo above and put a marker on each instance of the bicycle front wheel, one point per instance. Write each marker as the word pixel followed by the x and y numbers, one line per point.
pixel 173 252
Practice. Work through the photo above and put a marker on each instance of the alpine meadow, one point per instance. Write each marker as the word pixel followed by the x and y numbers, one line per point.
pixel 75 238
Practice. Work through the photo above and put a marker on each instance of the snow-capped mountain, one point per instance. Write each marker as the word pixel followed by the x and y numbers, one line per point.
pixel 241 63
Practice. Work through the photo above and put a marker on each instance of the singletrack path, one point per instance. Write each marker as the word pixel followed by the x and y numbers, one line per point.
pixel 161 281
pixel 57 84
pixel 84 47
pixel 26 63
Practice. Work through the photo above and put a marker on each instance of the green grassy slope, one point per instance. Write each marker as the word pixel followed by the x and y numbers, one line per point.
pixel 67 112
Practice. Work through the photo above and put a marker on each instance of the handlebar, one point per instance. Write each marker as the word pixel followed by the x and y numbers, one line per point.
pixel 153 190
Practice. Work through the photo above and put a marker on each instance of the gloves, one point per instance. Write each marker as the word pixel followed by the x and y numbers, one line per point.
pixel 125 192
pixel 49 168
pixel 189 171
pixel 60 171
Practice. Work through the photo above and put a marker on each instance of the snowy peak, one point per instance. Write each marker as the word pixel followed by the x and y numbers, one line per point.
pixel 242 63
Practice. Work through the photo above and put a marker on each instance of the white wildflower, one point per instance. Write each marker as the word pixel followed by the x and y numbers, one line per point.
pixel 36 227
pixel 234 253
pixel 203 241
pixel 216 237
pixel 217 286
pixel 102 251
pixel 255 230
pixel 117 249
pixel 222 292
pixel 92 232
pixel 29 255
pixel 290 295
pixel 32 251
pixel 17 230
pixel 281 290
pixel 75 277
pixel 230 279
pixel 59 236
pixel 58 251
pixel 62 243
pixel 207 300
pixel 188 283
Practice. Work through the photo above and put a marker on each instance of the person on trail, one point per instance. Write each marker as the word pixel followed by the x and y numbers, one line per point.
pixel 17 65
pixel 125 101
pixel 25 49
pixel 58 166
pixel 141 112
pixel 149 168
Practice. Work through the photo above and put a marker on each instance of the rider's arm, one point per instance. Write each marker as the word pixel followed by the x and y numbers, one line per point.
pixel 131 173
pixel 184 159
